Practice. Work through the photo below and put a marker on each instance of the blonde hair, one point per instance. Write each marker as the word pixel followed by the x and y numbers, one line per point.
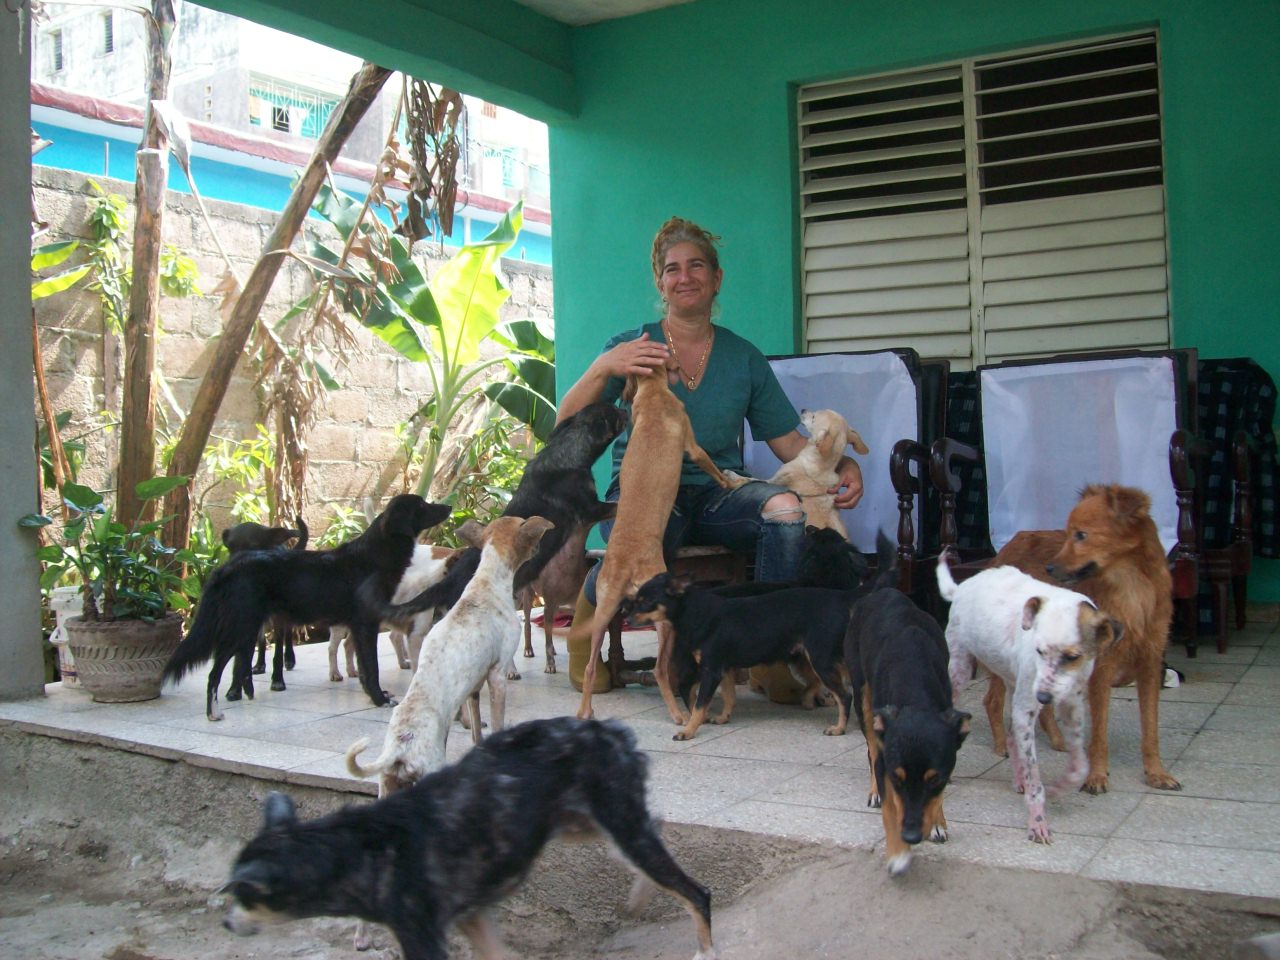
pixel 678 230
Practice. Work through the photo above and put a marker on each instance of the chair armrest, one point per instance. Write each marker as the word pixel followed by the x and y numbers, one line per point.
pixel 943 458
pixel 1184 564
pixel 906 452
pixel 1243 448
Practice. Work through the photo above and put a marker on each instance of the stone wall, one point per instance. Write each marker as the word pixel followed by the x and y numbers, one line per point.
pixel 353 445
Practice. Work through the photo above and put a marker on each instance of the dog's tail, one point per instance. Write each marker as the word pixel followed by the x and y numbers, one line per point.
pixel 947 586
pixel 224 616
pixel 445 593
pixel 378 766
pixel 304 534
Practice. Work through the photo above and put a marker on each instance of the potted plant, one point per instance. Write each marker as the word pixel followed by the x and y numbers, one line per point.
pixel 130 583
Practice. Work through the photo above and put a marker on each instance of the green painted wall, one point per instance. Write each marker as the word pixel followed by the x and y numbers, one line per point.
pixel 689 110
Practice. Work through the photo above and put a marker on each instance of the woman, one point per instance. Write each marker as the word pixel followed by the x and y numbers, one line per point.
pixel 724 380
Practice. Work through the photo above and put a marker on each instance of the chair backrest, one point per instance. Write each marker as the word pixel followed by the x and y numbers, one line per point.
pixel 1049 427
pixel 879 394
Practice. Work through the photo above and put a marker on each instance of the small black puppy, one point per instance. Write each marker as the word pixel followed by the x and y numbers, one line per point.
pixel 897 659
pixel 556 484
pixel 303 587
pixel 461 839
pixel 805 625
pixel 255 536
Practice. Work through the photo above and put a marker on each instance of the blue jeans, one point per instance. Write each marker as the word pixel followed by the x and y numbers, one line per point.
pixel 707 515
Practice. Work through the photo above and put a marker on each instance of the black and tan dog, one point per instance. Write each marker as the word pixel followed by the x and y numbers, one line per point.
pixel 897 659
pixel 320 587
pixel 250 535
pixel 802 624
pixel 457 842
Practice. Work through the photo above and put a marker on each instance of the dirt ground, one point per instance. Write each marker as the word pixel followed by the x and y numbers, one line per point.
pixel 112 854
pixel 87 897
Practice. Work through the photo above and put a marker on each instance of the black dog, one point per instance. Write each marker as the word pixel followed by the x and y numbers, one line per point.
pixel 304 587
pixel 557 484
pixel 461 839
pixel 254 536
pixel 897 659
pixel 802 624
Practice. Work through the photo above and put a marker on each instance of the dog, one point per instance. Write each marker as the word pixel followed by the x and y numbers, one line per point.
pixel 557 484
pixel 250 535
pixel 428 567
pixel 897 660
pixel 648 480
pixel 722 633
pixel 558 584
pixel 1044 641
pixel 447 849
pixel 304 587
pixel 813 472
pixel 1110 551
pixel 470 644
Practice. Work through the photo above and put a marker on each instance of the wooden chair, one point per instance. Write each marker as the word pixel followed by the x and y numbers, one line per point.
pixel 1051 426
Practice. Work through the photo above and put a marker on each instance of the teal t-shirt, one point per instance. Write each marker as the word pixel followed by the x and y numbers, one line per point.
pixel 737 385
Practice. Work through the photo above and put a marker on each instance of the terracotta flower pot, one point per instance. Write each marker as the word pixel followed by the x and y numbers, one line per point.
pixel 121 661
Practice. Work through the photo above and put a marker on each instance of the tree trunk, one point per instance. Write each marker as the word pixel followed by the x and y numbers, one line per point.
pixel 138 407
pixel 365 86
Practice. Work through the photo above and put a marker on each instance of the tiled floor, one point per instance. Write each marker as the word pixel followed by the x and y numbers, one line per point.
pixel 772 771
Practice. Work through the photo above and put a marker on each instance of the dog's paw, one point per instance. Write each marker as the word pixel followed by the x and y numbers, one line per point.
pixel 406 665
pixel 278 685
pixel 873 800
pixel 736 480
pixel 1038 829
pixel 898 865
pixel 259 669
pixel 1162 781
pixel 335 677
pixel 1000 751
pixel 513 674
pixel 527 653
pixel 835 730
pixel 1095 784
pixel 683 735
pixel 550 667
pixel 233 695
pixel 938 835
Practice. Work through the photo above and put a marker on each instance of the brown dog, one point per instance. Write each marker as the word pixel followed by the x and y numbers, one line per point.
pixel 648 480
pixel 1111 553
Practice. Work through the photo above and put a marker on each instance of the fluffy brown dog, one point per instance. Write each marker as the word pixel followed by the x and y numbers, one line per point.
pixel 1111 553
pixel 648 481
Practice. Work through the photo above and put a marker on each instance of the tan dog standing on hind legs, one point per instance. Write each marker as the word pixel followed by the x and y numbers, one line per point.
pixel 648 481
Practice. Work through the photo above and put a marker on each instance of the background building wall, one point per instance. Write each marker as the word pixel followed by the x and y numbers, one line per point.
pixel 715 140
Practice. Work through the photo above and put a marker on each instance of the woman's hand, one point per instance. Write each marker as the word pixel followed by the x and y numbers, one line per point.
pixel 848 490
pixel 632 358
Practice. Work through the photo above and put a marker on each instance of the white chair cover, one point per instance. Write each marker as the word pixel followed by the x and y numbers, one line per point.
pixel 874 392
pixel 1049 429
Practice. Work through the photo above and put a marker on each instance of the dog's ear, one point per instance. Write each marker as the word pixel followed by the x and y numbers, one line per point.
pixel 278 811
pixel 883 719
pixel 471 533
pixel 824 440
pixel 603 510
pixel 1029 611
pixel 531 532
pixel 959 720
pixel 854 440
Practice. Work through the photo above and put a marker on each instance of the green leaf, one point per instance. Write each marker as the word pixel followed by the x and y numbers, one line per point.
pixel 58 282
pixel 526 405
pixel 159 486
pixel 35 520
pixel 51 254
pixel 51 554
pixel 468 293
pixel 80 497
pixel 320 372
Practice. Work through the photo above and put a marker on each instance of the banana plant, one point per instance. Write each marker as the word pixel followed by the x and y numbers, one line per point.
pixel 444 322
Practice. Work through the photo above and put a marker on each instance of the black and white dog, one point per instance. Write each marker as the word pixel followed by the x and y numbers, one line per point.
pixel 461 839
pixel 304 587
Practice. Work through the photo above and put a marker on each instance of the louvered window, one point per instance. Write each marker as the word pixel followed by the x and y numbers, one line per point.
pixel 1011 206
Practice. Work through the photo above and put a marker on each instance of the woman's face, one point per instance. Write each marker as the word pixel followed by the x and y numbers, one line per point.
pixel 688 283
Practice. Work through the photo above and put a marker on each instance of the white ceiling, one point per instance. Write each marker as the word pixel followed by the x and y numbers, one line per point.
pixel 579 12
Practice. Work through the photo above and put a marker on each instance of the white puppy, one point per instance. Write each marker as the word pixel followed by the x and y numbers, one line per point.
pixel 471 643
pixel 425 569
pixel 813 472
pixel 1043 641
